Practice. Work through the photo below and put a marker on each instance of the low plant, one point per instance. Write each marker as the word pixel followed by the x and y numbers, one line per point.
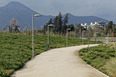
pixel 98 57
pixel 111 67
pixel 16 49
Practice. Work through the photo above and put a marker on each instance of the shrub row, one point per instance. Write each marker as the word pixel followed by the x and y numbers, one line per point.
pixel 98 56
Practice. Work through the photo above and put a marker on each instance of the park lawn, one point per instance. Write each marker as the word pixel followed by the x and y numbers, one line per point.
pixel 16 49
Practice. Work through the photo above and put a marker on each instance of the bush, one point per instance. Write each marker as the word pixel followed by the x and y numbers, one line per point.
pixel 3 74
pixel 98 62
pixel 98 56
pixel 111 67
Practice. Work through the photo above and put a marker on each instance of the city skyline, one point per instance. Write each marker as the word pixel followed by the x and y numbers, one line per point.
pixel 100 8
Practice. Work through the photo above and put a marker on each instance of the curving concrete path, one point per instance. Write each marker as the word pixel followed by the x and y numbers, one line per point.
pixel 61 62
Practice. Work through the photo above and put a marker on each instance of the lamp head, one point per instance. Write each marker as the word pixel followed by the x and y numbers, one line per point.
pixel 68 29
pixel 36 15
pixel 50 25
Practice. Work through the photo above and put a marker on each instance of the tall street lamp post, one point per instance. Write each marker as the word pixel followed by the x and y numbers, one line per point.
pixel 96 37
pixel 107 41
pixel 67 37
pixel 82 37
pixel 50 25
pixel 34 15
pixel 42 29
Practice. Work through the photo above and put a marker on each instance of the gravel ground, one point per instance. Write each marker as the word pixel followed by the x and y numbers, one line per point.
pixel 61 62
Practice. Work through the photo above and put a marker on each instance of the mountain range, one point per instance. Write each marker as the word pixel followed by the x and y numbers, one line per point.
pixel 23 16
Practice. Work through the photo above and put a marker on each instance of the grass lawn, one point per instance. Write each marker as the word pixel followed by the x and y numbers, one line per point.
pixel 16 49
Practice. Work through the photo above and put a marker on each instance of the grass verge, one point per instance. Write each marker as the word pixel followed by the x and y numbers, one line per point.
pixel 101 58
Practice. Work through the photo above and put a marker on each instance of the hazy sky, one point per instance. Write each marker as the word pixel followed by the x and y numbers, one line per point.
pixel 101 8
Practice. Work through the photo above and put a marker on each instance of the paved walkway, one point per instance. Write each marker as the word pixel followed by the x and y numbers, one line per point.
pixel 61 62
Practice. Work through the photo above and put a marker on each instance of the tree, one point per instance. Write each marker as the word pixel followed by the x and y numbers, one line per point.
pixel 45 28
pixel 46 25
pixel 50 21
pixel 58 23
pixel 89 35
pixel 114 29
pixel 71 27
pixel 105 30
pixel 55 24
pixel 109 27
pixel 64 28
pixel 77 28
pixel 65 21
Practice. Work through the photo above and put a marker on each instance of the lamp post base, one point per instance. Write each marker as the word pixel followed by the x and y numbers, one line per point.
pixel 47 46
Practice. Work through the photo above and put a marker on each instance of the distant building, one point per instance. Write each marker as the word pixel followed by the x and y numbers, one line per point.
pixel 13 28
pixel 13 21
pixel 93 25
pixel 84 25
pixel 100 24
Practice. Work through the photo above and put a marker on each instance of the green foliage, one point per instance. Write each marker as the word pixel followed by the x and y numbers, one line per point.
pixel 65 21
pixel 58 23
pixel 111 67
pixel 98 56
pixel 109 27
pixel 64 28
pixel 16 49
pixel 71 27
pixel 114 34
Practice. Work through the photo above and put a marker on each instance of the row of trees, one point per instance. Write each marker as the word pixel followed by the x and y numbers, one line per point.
pixel 110 27
pixel 60 24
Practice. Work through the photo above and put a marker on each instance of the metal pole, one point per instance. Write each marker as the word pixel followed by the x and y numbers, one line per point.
pixel 88 40
pixel 48 35
pixel 107 41
pixel 67 38
pixel 48 38
pixel 82 37
pixel 95 38
pixel 32 36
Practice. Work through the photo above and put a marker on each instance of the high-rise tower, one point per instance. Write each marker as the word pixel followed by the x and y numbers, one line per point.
pixel 13 22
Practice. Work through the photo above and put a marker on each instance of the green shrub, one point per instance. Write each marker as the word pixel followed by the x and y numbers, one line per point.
pixel 111 67
pixel 98 56
pixel 98 62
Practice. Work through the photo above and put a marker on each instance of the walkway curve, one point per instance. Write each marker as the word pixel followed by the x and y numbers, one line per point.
pixel 60 62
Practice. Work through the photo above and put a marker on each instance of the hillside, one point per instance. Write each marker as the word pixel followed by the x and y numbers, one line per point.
pixel 84 19
pixel 23 15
